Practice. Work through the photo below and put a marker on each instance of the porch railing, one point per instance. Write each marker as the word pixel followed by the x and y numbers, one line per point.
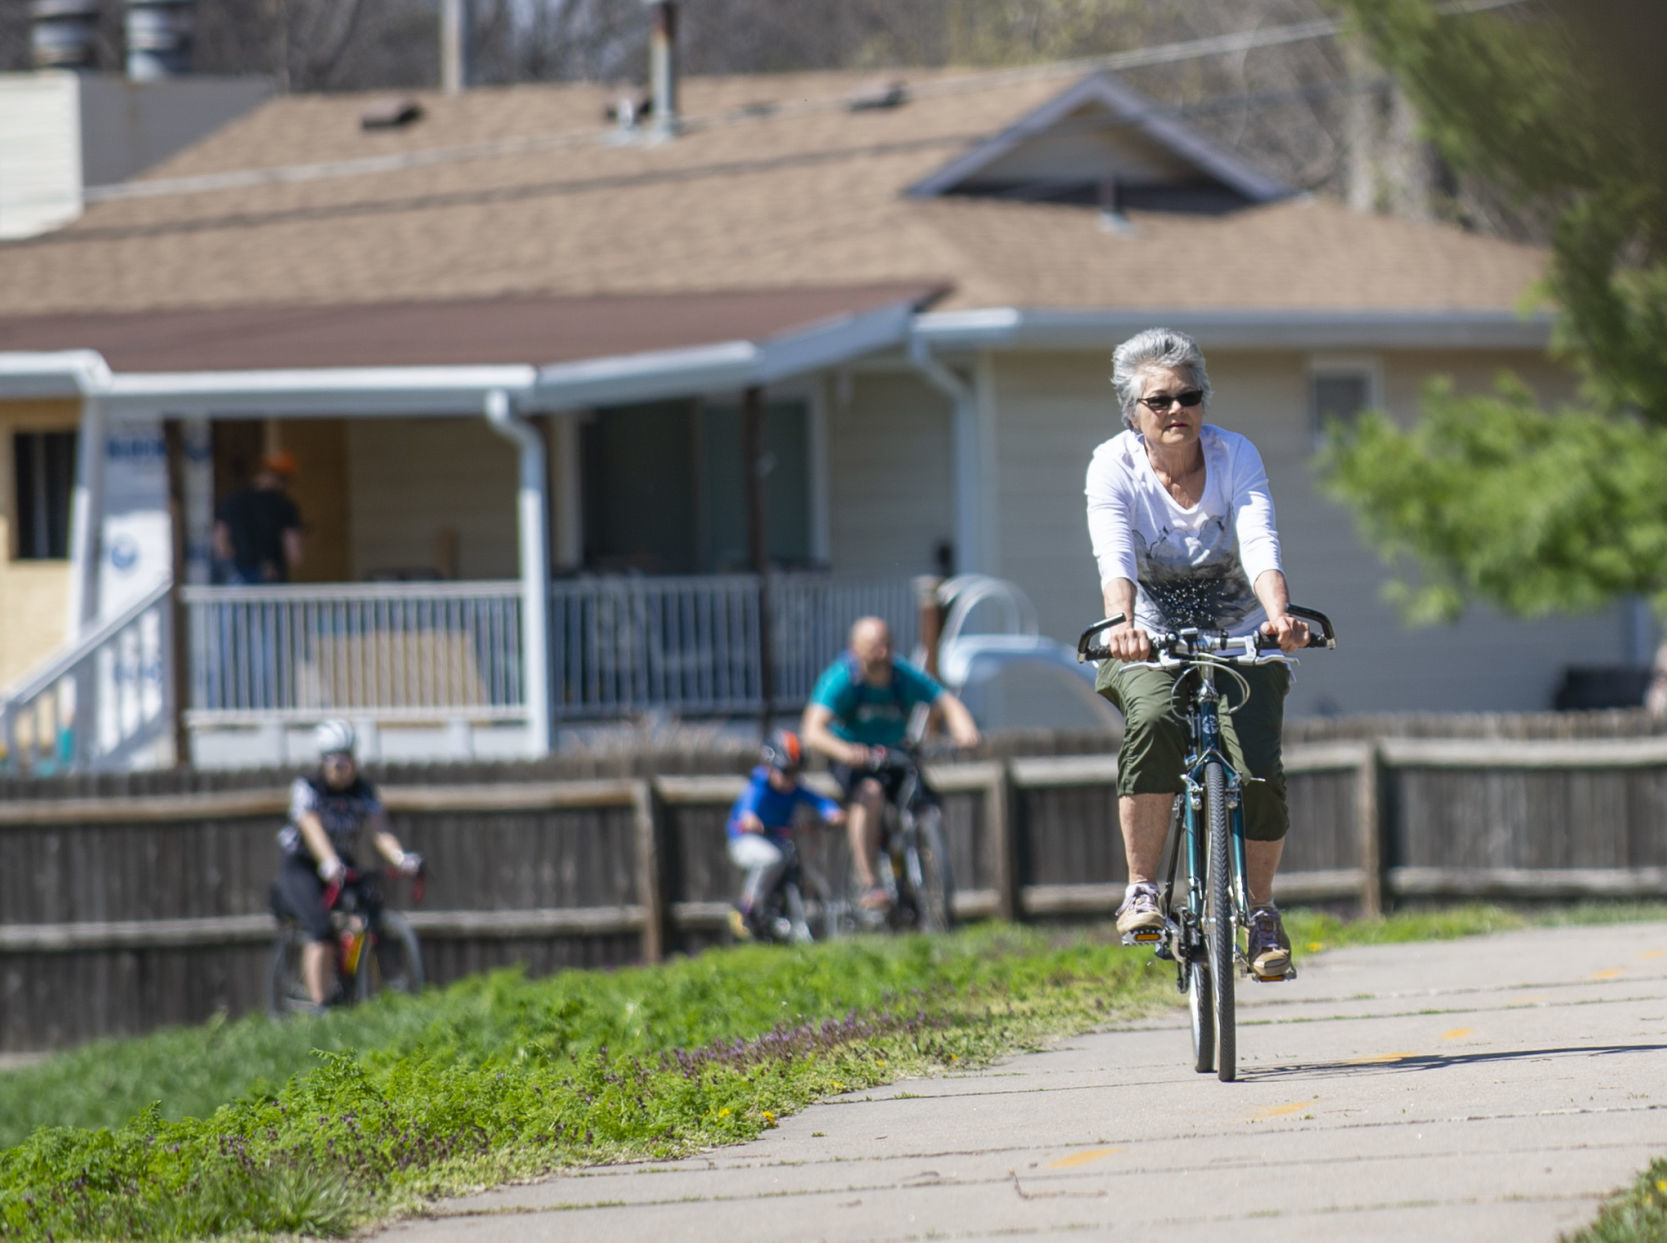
pixel 686 646
pixel 104 703
pixel 392 651
pixel 689 645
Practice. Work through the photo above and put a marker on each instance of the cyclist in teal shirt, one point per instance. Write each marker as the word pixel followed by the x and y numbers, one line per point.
pixel 860 708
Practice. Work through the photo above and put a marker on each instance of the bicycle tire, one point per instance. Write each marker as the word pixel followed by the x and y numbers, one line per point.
pixel 1218 914
pixel 793 899
pixel 936 896
pixel 1202 1005
pixel 393 963
pixel 823 911
pixel 286 989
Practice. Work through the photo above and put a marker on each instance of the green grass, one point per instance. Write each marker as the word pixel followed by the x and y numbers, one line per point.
pixel 322 1126
pixel 1636 1215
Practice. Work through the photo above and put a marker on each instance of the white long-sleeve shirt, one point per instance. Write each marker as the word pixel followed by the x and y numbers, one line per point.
pixel 1190 567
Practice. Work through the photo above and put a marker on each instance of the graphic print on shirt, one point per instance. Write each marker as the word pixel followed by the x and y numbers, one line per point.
pixel 1194 578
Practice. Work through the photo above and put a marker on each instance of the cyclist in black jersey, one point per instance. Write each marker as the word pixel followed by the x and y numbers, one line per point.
pixel 327 813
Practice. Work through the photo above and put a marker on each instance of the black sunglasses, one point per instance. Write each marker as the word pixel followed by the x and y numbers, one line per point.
pixel 1163 401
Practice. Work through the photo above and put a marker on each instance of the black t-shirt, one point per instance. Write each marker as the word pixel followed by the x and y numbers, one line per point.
pixel 256 519
pixel 342 813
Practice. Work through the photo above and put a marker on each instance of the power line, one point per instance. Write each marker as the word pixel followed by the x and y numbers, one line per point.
pixel 1164 54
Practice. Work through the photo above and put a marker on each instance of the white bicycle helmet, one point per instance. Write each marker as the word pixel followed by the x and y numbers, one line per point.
pixel 334 738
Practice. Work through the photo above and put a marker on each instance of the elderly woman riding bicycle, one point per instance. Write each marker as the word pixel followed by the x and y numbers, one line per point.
pixel 1183 532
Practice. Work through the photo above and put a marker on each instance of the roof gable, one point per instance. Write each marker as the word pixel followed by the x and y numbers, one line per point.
pixel 1098 131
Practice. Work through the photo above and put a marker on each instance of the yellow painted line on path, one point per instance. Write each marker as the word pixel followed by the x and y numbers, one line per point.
pixel 1277 1110
pixel 1082 1158
pixel 1535 997
pixel 1458 1033
pixel 1372 1059
pixel 1654 954
pixel 1608 973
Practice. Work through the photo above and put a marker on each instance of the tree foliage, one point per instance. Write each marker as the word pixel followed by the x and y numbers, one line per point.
pixel 1489 494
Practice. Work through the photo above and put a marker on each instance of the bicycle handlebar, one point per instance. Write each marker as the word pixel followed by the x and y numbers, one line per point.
pixel 1180 646
pixel 333 891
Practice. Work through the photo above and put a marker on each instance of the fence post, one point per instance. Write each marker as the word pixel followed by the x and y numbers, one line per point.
pixel 998 811
pixel 645 803
pixel 1369 830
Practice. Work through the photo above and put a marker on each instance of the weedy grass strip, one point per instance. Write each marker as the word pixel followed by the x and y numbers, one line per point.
pixel 500 1077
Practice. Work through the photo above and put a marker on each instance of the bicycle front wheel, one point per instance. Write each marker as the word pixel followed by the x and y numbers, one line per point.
pixel 1218 917
pixel 286 988
pixel 1201 1001
pixel 798 921
pixel 936 890
pixel 393 961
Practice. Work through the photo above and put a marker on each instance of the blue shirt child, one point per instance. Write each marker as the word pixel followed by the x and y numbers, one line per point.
pixel 775 808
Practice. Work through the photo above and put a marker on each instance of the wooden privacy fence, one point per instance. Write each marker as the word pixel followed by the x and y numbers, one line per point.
pixel 118 915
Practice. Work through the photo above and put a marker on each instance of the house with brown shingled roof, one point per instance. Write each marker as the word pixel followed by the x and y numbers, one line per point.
pixel 512 339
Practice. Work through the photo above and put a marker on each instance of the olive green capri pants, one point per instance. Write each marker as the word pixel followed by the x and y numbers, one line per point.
pixel 1153 754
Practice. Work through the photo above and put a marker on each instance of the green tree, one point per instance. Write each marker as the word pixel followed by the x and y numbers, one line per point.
pixel 1489 495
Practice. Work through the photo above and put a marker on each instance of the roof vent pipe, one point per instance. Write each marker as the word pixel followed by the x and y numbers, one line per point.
pixel 63 34
pixel 662 62
pixel 159 38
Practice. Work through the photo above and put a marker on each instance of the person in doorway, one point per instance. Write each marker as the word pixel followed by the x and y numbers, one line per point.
pixel 257 531
pixel 759 822
pixel 328 813
pixel 257 541
pixel 860 707
pixel 1182 527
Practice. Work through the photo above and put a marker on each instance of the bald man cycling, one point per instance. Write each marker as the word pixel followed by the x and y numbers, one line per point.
pixel 860 708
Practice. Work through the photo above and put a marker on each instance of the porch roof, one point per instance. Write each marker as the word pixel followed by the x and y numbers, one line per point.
pixel 534 331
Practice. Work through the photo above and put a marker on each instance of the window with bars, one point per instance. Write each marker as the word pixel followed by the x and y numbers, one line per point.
pixel 43 466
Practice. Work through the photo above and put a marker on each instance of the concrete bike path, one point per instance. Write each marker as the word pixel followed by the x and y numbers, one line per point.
pixel 1490 1088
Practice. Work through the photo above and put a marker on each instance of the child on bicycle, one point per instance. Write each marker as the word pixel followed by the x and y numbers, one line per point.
pixel 328 811
pixel 759 821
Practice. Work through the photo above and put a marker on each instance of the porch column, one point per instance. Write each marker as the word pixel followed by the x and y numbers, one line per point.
pixel 532 514
pixel 967 439
pixel 758 543
pixel 86 515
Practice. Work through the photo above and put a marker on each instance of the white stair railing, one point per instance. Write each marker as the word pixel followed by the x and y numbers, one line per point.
pixel 105 703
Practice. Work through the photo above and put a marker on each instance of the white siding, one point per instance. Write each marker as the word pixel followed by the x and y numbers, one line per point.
pixel 1054 408
pixel 414 482
pixel 40 152
pixel 890 485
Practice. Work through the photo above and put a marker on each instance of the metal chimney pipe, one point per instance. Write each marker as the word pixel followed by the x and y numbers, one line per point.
pixel 454 45
pixel 63 34
pixel 662 62
pixel 159 38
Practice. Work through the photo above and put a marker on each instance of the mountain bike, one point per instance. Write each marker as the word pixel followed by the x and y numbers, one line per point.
pixel 376 950
pixel 913 864
pixel 801 906
pixel 1204 927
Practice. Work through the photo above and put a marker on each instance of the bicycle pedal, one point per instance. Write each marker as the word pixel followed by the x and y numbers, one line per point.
pixel 1290 974
pixel 1145 936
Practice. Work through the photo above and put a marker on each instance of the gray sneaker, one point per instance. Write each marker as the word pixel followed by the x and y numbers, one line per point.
pixel 1139 911
pixel 1270 948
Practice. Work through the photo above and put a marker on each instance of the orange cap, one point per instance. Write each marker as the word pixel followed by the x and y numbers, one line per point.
pixel 279 462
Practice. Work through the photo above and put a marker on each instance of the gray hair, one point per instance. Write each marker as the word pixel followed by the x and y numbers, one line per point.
pixel 1156 347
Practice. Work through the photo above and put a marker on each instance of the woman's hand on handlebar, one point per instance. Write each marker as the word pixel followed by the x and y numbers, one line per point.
pixel 1291 633
pixel 1127 641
